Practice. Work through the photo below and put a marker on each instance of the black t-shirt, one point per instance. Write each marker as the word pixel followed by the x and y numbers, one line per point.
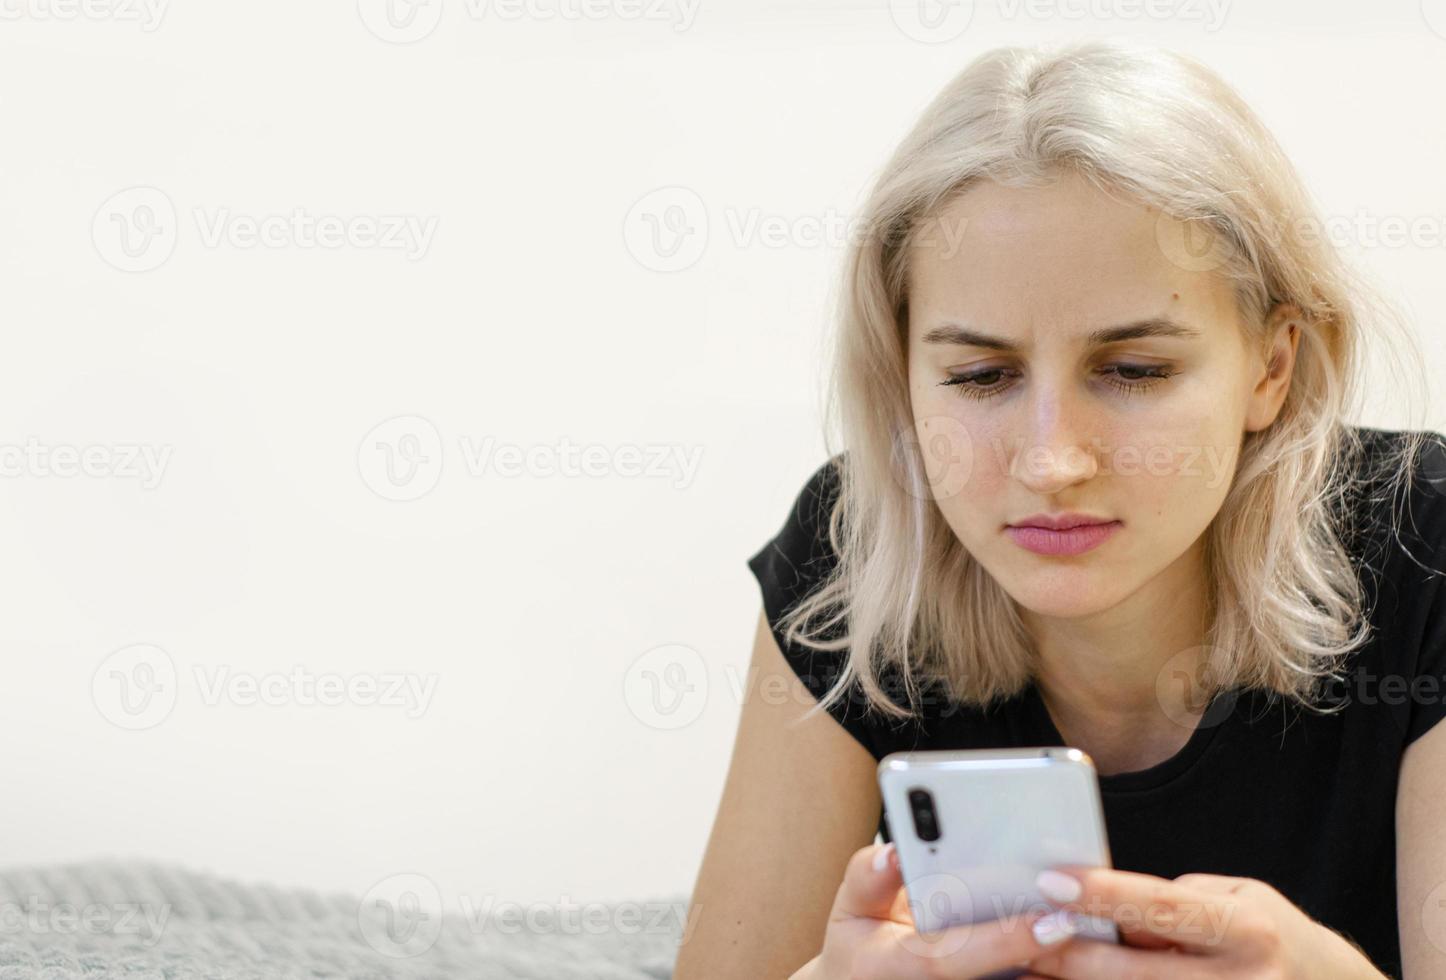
pixel 1263 788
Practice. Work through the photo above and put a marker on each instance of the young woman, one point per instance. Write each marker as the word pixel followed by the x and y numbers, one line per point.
pixel 1094 373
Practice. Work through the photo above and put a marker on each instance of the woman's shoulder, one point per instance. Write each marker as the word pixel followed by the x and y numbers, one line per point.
pixel 800 554
pixel 1396 501
pixel 1400 550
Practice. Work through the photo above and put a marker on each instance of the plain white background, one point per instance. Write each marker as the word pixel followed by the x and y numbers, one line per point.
pixel 331 270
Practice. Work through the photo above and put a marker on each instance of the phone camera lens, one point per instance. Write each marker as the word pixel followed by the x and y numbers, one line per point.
pixel 926 823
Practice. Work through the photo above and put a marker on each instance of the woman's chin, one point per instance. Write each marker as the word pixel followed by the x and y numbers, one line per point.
pixel 1065 596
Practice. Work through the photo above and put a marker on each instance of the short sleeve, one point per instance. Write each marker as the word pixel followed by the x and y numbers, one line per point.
pixel 790 567
pixel 1423 585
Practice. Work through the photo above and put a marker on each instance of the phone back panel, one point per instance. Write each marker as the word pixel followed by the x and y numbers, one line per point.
pixel 1003 815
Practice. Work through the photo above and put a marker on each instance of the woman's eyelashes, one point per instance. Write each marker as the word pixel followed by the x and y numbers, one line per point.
pixel 1127 378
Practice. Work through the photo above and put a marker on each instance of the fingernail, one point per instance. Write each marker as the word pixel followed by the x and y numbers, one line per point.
pixel 1057 885
pixel 1055 927
pixel 882 857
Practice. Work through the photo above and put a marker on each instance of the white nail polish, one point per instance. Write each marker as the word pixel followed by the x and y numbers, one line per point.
pixel 881 859
pixel 1057 885
pixel 1055 927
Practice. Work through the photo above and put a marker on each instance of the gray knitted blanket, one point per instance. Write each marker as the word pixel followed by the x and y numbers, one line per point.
pixel 156 922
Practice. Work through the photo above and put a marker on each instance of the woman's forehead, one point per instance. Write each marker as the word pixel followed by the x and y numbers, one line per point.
pixel 1062 253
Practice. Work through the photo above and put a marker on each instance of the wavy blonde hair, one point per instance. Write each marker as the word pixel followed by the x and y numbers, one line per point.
pixel 1161 128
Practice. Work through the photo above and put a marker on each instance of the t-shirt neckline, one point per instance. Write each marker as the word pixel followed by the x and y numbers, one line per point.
pixel 1217 715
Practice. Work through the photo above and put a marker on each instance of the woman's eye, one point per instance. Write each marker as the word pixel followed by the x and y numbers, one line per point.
pixel 980 384
pixel 1128 378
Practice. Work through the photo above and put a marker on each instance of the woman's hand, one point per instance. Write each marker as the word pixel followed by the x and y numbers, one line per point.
pixel 1196 925
pixel 871 932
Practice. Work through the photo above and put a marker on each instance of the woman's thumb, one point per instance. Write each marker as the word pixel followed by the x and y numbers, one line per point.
pixel 871 883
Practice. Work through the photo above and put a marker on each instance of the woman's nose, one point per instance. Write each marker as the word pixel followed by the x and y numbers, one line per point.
pixel 1055 452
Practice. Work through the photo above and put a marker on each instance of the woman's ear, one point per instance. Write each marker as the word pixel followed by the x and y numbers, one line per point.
pixel 1283 328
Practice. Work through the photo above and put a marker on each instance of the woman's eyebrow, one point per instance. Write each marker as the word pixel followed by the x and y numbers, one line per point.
pixel 956 335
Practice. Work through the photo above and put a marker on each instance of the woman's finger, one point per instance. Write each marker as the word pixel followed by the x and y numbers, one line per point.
pixel 871 887
pixel 966 950
pixel 1108 961
pixel 1141 904
pixel 1220 884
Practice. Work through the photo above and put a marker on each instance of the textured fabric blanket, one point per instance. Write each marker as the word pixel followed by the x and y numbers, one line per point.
pixel 156 922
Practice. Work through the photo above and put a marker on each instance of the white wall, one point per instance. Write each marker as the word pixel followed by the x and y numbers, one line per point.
pixel 536 313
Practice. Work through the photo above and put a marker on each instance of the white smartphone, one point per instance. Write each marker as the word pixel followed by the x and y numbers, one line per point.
pixel 974 826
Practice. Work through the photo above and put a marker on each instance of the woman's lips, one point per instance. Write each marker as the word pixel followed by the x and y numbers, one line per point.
pixel 1075 541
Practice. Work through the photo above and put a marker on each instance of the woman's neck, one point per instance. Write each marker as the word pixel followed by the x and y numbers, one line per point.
pixel 1132 669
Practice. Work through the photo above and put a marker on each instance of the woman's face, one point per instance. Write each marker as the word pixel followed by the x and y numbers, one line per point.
pixel 1144 428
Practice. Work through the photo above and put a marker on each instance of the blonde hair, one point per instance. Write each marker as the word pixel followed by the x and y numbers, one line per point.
pixel 1284 603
